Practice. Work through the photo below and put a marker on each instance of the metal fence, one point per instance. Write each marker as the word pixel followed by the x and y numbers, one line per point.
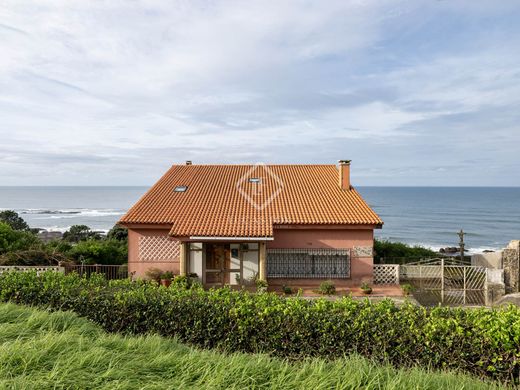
pixel 109 271
pixel 308 263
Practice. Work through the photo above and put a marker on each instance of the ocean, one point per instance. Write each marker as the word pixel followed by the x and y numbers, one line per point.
pixel 428 216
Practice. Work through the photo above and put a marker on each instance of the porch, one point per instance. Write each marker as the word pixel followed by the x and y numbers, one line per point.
pixel 218 263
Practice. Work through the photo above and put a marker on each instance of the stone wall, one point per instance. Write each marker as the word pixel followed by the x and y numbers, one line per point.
pixel 511 264
pixel 488 260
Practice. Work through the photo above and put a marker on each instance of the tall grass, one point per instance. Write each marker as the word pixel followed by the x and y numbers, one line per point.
pixel 42 350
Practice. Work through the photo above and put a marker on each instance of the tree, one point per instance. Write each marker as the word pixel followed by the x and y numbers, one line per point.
pixel 78 233
pixel 118 233
pixel 12 218
pixel 14 240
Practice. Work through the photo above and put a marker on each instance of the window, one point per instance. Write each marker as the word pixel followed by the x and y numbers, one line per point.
pixel 308 263
pixel 180 188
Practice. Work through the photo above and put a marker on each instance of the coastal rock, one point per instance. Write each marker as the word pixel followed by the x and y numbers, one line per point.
pixel 47 236
pixel 449 250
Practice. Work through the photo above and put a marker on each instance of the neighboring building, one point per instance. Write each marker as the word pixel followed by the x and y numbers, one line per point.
pixel 289 224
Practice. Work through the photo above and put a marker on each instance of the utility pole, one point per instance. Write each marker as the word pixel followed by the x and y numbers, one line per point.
pixel 461 244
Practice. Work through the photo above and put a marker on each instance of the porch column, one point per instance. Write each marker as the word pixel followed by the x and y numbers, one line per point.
pixel 182 259
pixel 262 261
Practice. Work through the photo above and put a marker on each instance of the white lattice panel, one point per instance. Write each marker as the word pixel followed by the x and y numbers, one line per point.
pixel 38 269
pixel 386 274
pixel 159 248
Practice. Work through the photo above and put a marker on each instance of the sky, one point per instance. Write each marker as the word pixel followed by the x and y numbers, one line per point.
pixel 415 93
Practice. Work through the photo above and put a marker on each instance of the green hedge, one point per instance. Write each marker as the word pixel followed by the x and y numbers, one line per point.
pixel 480 341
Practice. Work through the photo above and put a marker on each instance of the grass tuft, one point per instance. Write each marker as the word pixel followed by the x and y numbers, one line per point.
pixel 42 350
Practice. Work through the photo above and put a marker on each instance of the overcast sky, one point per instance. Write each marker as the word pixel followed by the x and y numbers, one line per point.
pixel 113 93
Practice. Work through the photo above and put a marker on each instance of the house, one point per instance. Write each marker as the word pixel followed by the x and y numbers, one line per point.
pixel 230 224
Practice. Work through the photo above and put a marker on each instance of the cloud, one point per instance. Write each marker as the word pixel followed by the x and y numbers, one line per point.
pixel 113 93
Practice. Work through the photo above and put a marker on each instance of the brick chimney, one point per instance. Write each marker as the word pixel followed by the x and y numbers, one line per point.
pixel 344 174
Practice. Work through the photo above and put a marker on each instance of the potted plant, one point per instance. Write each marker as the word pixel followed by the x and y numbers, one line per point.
pixel 366 289
pixel 407 289
pixel 166 278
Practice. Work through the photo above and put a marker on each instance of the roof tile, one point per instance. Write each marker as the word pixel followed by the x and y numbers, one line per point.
pixel 221 202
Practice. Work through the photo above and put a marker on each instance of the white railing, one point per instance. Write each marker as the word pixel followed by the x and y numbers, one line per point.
pixel 386 273
pixel 26 268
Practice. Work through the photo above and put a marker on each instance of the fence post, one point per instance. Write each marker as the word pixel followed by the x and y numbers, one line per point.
pixel 464 285
pixel 442 280
pixel 397 273
pixel 420 278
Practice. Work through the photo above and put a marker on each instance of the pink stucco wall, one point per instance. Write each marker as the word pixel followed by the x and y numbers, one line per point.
pixel 140 267
pixel 361 267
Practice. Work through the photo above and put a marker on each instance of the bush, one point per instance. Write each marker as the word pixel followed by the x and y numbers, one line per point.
pixel 32 257
pixel 261 285
pixel 327 288
pixel 483 341
pixel 388 249
pixel 287 290
pixel 99 252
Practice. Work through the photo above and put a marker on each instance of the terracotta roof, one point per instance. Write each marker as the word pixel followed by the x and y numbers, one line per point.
pixel 221 201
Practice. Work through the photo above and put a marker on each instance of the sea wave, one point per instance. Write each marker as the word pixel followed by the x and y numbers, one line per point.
pixel 71 213
pixel 63 229
pixel 469 250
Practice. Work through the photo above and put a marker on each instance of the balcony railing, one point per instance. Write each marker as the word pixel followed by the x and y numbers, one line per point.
pixel 308 263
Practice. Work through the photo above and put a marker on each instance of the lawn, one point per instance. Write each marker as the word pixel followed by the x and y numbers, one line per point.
pixel 60 350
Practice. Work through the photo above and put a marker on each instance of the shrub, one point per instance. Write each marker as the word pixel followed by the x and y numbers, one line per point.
pixel 287 290
pixel 327 288
pixel 388 249
pixel 32 257
pixel 261 285
pixel 482 341
pixel 99 252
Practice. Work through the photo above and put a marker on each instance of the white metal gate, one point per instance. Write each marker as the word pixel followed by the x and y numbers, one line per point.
pixel 445 281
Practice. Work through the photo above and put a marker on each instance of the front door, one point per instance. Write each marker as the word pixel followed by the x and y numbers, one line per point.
pixel 217 256
pixel 221 269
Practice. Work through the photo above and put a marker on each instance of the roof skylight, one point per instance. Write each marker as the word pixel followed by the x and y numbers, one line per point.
pixel 180 189
pixel 254 180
